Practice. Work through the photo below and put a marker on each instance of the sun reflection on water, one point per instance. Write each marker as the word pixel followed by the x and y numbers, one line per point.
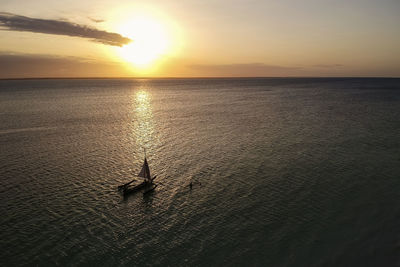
pixel 142 101
pixel 143 124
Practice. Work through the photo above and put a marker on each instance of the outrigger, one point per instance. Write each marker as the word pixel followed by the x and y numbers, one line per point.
pixel 147 183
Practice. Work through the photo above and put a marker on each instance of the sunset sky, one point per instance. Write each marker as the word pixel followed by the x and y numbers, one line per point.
pixel 74 38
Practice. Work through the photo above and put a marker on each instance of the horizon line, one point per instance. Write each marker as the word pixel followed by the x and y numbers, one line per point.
pixel 200 77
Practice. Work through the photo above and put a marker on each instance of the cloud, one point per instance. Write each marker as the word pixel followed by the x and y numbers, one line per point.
pixel 96 20
pixel 12 22
pixel 328 66
pixel 36 66
pixel 244 70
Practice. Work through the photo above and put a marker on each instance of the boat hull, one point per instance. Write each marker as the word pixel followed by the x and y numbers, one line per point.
pixel 133 189
pixel 149 190
pixel 129 189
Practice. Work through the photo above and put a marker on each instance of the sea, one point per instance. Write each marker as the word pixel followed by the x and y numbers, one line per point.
pixel 284 172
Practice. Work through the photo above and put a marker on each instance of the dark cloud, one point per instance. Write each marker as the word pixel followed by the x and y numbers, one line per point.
pixel 14 22
pixel 328 66
pixel 28 65
pixel 251 69
pixel 96 20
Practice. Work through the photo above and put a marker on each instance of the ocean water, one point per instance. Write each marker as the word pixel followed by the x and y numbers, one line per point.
pixel 285 172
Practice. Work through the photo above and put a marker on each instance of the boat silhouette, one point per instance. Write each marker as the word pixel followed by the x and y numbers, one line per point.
pixel 147 183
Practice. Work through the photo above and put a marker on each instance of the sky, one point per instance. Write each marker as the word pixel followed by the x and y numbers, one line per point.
pixel 208 38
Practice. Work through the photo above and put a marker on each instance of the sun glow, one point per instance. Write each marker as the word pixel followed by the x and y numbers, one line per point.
pixel 150 41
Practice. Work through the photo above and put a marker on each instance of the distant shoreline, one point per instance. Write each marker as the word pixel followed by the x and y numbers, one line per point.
pixel 187 78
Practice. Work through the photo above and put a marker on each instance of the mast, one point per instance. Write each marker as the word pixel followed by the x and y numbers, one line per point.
pixel 145 171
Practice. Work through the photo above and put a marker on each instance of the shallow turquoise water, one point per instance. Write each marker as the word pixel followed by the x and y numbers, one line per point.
pixel 286 172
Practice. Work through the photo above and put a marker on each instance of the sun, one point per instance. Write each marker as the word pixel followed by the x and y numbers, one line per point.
pixel 150 41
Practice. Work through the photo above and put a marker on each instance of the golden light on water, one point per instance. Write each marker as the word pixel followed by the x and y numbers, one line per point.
pixel 142 101
pixel 143 119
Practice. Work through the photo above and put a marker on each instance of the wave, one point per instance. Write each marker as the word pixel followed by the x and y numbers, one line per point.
pixel 29 129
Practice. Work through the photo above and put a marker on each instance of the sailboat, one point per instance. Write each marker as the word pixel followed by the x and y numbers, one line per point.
pixel 147 182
